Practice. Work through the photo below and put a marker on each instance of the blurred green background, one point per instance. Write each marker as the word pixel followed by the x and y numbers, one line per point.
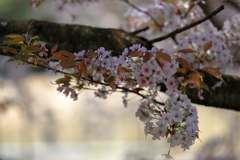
pixel 37 123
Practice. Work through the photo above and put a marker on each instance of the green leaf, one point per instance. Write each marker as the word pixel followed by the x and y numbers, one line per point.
pixel 16 41
pixel 214 72
pixel 39 42
pixel 23 57
pixel 35 37
pixel 20 63
pixel 11 50
pixel 13 36
pixel 205 86
pixel 11 60
pixel 30 49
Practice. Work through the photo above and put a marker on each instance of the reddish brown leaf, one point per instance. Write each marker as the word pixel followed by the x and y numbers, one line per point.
pixel 164 56
pixel 65 57
pixel 58 56
pixel 136 54
pixel 196 80
pixel 181 70
pixel 186 50
pixel 137 61
pixel 214 72
pixel 207 46
pixel 184 63
pixel 147 56
pixel 172 1
pixel 123 70
pixel 83 68
pixel 54 48
pixel 91 53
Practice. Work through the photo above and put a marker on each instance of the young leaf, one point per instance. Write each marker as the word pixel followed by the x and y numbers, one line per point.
pixel 136 54
pixel 16 41
pixel 147 56
pixel 196 79
pixel 12 59
pixel 123 70
pixel 83 68
pixel 66 58
pixel 214 72
pixel 65 80
pixel 35 37
pixel 54 48
pixel 39 42
pixel 23 57
pixel 184 64
pixel 186 51
pixel 137 61
pixel 205 86
pixel 164 56
pixel 181 70
pixel 172 1
pixel 159 64
pixel 29 49
pixel 207 46
pixel 20 63
pixel 13 36
pixel 11 50
pixel 91 53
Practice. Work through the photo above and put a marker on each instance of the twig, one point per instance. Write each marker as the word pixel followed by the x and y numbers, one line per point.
pixel 179 30
pixel 140 30
pixel 93 81
pixel 190 8
pixel 138 9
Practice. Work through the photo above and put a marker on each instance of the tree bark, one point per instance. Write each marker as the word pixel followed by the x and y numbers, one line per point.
pixel 75 38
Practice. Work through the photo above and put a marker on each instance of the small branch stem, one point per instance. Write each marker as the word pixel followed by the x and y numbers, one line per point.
pixel 190 8
pixel 179 30
pixel 101 83
pixel 140 30
pixel 138 9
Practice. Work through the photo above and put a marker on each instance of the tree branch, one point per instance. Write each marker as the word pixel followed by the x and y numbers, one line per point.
pixel 73 38
pixel 179 30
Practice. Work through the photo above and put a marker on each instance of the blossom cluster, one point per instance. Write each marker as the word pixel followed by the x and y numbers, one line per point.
pixel 207 50
pixel 182 13
pixel 231 30
pixel 146 72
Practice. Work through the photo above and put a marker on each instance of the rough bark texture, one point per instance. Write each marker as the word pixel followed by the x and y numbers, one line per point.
pixel 226 97
pixel 77 37
pixel 72 38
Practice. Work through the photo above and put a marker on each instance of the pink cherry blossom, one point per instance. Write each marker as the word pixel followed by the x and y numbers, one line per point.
pixel 170 83
pixel 182 81
pixel 101 51
pixel 200 94
pixel 147 69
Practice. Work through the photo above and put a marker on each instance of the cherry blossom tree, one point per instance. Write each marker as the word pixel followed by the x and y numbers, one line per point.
pixel 122 60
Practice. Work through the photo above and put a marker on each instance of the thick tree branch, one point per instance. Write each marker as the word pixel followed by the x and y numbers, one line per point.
pixel 75 38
